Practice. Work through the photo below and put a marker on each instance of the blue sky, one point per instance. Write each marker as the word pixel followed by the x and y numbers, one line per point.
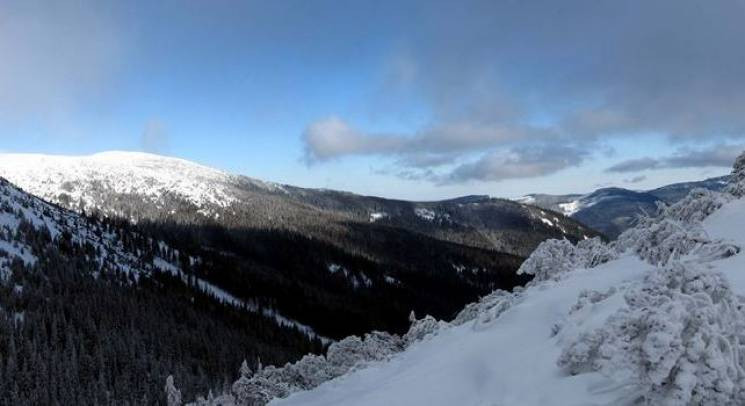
pixel 417 100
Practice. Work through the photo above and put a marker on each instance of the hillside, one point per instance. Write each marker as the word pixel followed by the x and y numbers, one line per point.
pixel 93 312
pixel 337 262
pixel 655 317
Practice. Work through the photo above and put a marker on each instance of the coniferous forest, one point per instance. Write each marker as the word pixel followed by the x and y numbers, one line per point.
pixel 68 336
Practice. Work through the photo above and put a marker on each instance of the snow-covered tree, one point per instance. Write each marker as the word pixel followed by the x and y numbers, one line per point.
pixel 246 370
pixel 554 258
pixel 488 309
pixel 676 231
pixel 173 395
pixel 680 339
pixel 312 370
pixel 737 181
pixel 551 259
pixel 422 328
pixel 350 352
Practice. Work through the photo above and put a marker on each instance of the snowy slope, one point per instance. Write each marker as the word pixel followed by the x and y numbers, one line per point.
pixel 511 361
pixel 151 177
pixel 18 207
pixel 657 317
pixel 728 223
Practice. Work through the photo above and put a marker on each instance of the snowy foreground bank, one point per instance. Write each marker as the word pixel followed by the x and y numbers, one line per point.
pixel 656 317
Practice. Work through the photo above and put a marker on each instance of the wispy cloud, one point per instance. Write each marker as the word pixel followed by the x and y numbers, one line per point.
pixel 635 165
pixel 722 155
pixel 636 179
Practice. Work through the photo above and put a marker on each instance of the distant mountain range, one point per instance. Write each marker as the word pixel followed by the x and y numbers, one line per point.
pixel 337 262
pixel 614 210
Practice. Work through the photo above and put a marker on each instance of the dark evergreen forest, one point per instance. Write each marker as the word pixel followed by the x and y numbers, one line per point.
pixel 71 337
pixel 289 272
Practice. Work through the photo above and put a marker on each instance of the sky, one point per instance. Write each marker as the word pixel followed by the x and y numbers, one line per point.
pixel 418 100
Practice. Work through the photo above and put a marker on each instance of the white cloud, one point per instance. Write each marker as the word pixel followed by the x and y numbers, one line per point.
pixel 720 155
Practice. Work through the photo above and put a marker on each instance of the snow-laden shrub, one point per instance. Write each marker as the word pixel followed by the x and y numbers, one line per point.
pixel 549 260
pixel 661 240
pixel 588 297
pixel 422 328
pixel 593 252
pixel 212 400
pixel 257 391
pixel 349 353
pixel 488 308
pixel 737 180
pixel 680 339
pixel 312 370
pixel 695 207
pixel 554 258
pixel 715 250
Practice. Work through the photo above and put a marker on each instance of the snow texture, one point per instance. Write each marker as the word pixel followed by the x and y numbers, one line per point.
pixel 77 179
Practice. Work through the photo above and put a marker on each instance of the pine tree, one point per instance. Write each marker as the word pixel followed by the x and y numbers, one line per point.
pixel 173 395
pixel 246 370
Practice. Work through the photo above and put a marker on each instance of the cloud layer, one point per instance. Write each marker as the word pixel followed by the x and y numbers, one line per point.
pixel 524 89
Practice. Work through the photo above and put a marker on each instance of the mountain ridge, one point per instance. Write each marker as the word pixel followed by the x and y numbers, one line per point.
pixel 613 210
pixel 88 184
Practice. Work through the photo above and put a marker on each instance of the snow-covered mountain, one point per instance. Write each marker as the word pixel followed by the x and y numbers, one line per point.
pixel 655 317
pixel 282 244
pixel 139 186
pixel 23 217
pixel 614 210
pixel 83 181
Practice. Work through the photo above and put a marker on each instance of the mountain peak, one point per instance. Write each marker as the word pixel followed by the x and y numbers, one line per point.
pixel 65 179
